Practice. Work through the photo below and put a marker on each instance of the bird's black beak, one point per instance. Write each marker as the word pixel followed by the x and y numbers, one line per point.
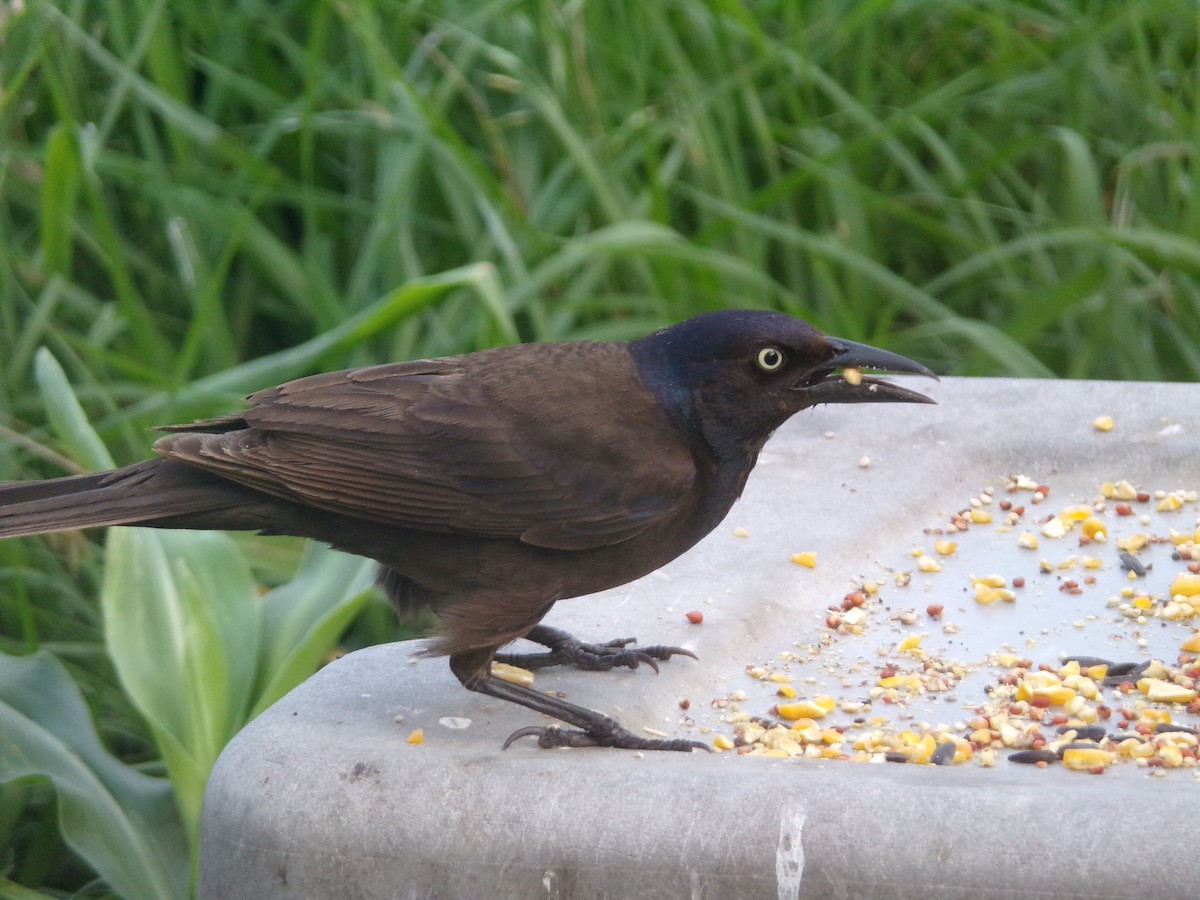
pixel 850 386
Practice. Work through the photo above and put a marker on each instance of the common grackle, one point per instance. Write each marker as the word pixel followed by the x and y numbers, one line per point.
pixel 491 485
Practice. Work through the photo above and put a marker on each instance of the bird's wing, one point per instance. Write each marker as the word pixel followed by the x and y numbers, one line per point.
pixel 565 449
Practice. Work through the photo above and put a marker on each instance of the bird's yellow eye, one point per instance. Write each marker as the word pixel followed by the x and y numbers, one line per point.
pixel 770 359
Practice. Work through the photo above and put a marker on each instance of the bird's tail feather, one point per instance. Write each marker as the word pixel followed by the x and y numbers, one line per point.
pixel 147 493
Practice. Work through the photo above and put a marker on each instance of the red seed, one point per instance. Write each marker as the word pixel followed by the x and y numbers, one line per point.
pixel 1041 702
pixel 934 610
pixel 1104 712
pixel 1143 496
pixel 695 617
pixel 1124 509
pixel 1043 489
pixel 1096 770
pixel 888 672
pixel 1019 510
pixel 833 620
pixel 853 599
pixel 1018 581
pixel 685 703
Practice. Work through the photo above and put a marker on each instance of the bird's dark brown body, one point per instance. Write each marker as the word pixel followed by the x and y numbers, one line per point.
pixel 489 486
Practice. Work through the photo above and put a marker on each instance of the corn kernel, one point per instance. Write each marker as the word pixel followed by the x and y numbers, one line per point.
pixel 787 691
pixel 1192 644
pixel 1171 756
pixel 945 548
pixel 1027 540
pixel 1142 602
pixel 1103 423
pixel 995 581
pixel 416 736
pixel 1135 543
pixel 1094 528
pixel 912 642
pixel 1186 583
pixel 722 742
pixel 806 558
pixel 1158 690
pixel 512 674
pixel 980 516
pixel 1083 758
pixel 1169 503
pixel 1076 513
pixel 984 595
pixel 928 564
pixel 1091 562
pixel 1054 527
pixel 1122 490
pixel 852 375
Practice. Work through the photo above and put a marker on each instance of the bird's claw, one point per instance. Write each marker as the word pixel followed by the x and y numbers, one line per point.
pixel 563 649
pixel 551 737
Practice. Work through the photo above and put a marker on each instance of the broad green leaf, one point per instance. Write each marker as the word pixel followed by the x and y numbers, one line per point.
pixel 67 416
pixel 182 618
pixel 303 618
pixel 123 823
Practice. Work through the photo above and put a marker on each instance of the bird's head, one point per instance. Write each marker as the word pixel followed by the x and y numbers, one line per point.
pixel 737 375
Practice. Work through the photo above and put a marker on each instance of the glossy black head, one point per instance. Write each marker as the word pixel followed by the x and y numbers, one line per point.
pixel 737 375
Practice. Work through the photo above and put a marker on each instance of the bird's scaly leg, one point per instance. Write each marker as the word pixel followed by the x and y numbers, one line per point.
pixel 594 728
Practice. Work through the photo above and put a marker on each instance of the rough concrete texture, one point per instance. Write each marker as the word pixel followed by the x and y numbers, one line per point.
pixel 322 796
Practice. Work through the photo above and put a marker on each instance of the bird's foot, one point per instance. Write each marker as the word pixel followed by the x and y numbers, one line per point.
pixel 610 734
pixel 563 649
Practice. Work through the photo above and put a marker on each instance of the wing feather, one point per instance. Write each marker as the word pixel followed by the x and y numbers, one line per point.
pixel 490 444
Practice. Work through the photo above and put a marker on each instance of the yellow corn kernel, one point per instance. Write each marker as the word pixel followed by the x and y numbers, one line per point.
pixel 1007 660
pixel 1083 758
pixel 1157 690
pixel 1155 716
pixel 1134 543
pixel 852 375
pixel 416 736
pixel 1027 540
pixel 722 742
pixel 806 558
pixel 909 682
pixel 1054 527
pixel 1169 503
pixel 945 548
pixel 1178 538
pixel 1186 583
pixel 985 595
pixel 512 674
pixel 1056 695
pixel 1142 602
pixel 1076 513
pixel 995 581
pixel 1103 423
pixel 912 642
pixel 802 709
pixel 922 750
pixel 786 691
pixel 1094 528
pixel 1192 644
pixel 1171 756
pixel 1122 490
pixel 928 564
pixel 980 516
pixel 1092 562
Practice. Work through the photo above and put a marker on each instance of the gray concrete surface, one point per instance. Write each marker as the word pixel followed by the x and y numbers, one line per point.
pixel 322 796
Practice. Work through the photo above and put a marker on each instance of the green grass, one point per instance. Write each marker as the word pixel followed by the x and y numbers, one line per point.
pixel 200 199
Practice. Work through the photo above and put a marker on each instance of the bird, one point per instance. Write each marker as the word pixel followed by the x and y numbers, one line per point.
pixel 491 485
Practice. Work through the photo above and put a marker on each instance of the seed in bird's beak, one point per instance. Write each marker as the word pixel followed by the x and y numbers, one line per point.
pixel 852 376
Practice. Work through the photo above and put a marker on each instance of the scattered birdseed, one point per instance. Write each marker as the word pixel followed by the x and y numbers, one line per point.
pixel 1103 423
pixel 1078 712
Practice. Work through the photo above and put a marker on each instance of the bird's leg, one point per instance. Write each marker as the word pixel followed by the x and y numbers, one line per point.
pixel 563 650
pixel 594 728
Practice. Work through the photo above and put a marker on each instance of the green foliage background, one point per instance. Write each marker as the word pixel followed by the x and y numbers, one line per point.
pixel 200 199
